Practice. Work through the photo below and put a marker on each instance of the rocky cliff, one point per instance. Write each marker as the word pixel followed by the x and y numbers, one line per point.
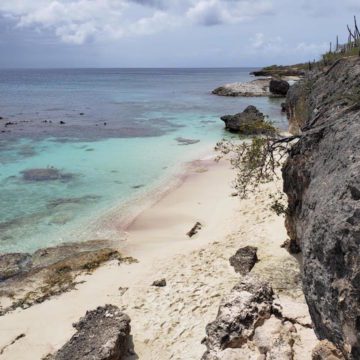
pixel 322 182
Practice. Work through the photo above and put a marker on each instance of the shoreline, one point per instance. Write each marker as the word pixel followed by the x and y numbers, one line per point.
pixel 169 322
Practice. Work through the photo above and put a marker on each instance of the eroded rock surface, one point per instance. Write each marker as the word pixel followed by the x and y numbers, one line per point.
pixel 321 179
pixel 102 334
pixel 251 324
pixel 248 305
pixel 259 87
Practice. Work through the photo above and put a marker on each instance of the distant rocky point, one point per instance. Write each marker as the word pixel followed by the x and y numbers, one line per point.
pixel 258 87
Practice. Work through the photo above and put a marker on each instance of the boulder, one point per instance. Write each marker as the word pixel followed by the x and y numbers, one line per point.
pixel 102 334
pixel 248 305
pixel 279 87
pixel 249 122
pixel 244 259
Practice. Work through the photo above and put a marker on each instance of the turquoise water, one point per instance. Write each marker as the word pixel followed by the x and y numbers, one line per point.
pixel 106 166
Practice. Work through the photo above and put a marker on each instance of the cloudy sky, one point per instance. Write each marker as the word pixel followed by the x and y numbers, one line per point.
pixel 168 33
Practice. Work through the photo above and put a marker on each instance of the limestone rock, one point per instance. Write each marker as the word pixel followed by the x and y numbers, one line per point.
pixel 248 305
pixel 325 350
pixel 102 334
pixel 321 180
pixel 244 259
pixel 259 87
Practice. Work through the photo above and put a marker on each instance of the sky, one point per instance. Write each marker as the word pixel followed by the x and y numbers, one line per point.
pixel 169 33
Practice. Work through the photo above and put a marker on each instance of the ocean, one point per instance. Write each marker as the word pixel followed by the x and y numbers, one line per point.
pixel 107 139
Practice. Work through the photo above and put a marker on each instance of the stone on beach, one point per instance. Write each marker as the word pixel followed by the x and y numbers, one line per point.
pixel 244 259
pixel 248 304
pixel 102 334
pixel 194 230
pixel 159 283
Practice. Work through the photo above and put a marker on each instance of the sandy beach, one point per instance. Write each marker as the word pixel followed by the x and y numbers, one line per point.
pixel 169 322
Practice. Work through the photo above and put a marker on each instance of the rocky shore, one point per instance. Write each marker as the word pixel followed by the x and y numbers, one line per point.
pixel 321 179
pixel 28 279
pixel 258 296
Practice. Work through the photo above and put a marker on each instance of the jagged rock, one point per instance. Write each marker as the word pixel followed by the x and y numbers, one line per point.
pixel 249 122
pixel 159 283
pixel 102 334
pixel 274 339
pixel 321 180
pixel 325 350
pixel 244 259
pixel 259 87
pixel 279 87
pixel 13 264
pixel 247 306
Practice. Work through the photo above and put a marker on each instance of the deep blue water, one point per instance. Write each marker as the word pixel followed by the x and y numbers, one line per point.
pixel 118 141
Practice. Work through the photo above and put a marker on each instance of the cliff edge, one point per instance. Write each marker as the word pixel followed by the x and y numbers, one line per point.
pixel 322 182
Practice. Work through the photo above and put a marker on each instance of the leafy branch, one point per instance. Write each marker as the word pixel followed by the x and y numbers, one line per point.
pixel 255 160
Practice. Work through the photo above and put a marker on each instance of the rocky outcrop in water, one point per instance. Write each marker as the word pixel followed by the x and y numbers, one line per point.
pixel 249 122
pixel 259 87
pixel 102 334
pixel 321 180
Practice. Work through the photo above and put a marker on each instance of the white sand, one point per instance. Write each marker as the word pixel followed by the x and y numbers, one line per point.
pixel 169 322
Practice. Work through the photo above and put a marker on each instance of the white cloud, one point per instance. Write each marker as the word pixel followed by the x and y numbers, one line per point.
pixel 77 21
pixel 215 12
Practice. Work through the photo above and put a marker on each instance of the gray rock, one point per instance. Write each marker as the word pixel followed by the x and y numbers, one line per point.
pixel 279 87
pixel 14 264
pixel 248 305
pixel 321 180
pixel 244 259
pixel 102 334
pixel 249 122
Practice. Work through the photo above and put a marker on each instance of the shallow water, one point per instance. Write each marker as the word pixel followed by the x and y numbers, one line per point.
pixel 106 165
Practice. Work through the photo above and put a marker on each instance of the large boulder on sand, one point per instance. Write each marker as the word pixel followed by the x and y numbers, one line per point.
pixel 248 304
pixel 249 122
pixel 279 87
pixel 102 334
